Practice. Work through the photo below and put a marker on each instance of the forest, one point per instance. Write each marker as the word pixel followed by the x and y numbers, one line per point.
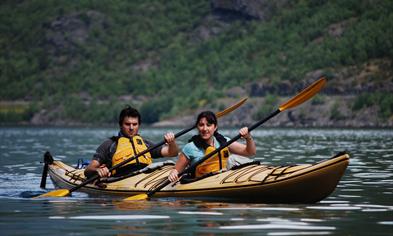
pixel 79 62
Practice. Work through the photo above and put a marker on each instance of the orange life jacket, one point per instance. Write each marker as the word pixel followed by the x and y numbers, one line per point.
pixel 214 163
pixel 128 148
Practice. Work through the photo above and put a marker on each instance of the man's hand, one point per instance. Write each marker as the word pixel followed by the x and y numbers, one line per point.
pixel 169 137
pixel 103 171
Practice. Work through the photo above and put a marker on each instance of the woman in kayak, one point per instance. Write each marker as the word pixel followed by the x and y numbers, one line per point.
pixel 207 141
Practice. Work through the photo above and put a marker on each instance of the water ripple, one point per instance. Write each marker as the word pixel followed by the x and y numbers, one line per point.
pixel 363 196
pixel 278 226
pixel 111 217
pixel 199 213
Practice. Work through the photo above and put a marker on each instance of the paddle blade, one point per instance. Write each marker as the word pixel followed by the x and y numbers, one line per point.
pixel 55 193
pixel 230 109
pixel 138 197
pixel 304 95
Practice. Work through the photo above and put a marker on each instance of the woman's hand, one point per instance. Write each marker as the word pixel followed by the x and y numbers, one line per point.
pixel 247 149
pixel 245 134
pixel 173 176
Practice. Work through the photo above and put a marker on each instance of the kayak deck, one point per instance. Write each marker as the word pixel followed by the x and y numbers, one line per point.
pixel 305 183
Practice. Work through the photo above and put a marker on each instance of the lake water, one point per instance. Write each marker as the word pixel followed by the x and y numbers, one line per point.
pixel 362 203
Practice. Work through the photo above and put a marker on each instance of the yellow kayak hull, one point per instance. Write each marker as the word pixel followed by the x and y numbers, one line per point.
pixel 304 183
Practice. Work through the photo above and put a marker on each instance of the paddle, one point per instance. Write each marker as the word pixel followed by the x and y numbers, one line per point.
pixel 303 96
pixel 66 192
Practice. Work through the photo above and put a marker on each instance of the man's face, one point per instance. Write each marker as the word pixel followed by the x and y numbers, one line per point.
pixel 130 126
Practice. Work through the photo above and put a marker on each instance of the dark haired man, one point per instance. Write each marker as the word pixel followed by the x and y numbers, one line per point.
pixel 127 144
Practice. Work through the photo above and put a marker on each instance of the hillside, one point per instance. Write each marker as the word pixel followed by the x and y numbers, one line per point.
pixel 79 62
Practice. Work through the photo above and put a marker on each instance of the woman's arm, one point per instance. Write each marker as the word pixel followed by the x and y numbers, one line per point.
pixel 248 149
pixel 181 164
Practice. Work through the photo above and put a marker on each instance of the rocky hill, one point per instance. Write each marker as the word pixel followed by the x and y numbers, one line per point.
pixel 339 104
pixel 78 63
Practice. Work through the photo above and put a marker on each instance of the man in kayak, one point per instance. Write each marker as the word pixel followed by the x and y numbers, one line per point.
pixel 127 144
pixel 207 141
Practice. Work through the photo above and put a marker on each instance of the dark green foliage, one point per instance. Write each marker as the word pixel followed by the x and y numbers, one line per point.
pixel 318 100
pixel 335 113
pixel 382 100
pixel 44 57
pixel 91 113
pixel 17 112
pixel 269 105
pixel 151 110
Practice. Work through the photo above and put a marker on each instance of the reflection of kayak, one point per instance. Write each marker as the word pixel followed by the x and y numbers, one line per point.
pixel 305 183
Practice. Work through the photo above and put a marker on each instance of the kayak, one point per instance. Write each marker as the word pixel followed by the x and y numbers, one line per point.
pixel 250 182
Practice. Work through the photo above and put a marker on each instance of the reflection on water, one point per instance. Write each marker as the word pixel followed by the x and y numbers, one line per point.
pixel 361 205
pixel 111 217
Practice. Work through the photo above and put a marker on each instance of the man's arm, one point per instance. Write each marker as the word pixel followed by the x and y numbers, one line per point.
pixel 96 168
pixel 97 164
pixel 170 149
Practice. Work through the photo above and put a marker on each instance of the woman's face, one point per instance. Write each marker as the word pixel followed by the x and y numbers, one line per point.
pixel 206 130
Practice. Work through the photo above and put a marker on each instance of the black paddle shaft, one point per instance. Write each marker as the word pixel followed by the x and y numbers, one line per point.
pixel 167 181
pixel 48 160
pixel 44 175
pixel 96 176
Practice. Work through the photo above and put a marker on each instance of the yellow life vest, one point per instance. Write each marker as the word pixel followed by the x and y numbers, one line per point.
pixel 214 163
pixel 129 147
